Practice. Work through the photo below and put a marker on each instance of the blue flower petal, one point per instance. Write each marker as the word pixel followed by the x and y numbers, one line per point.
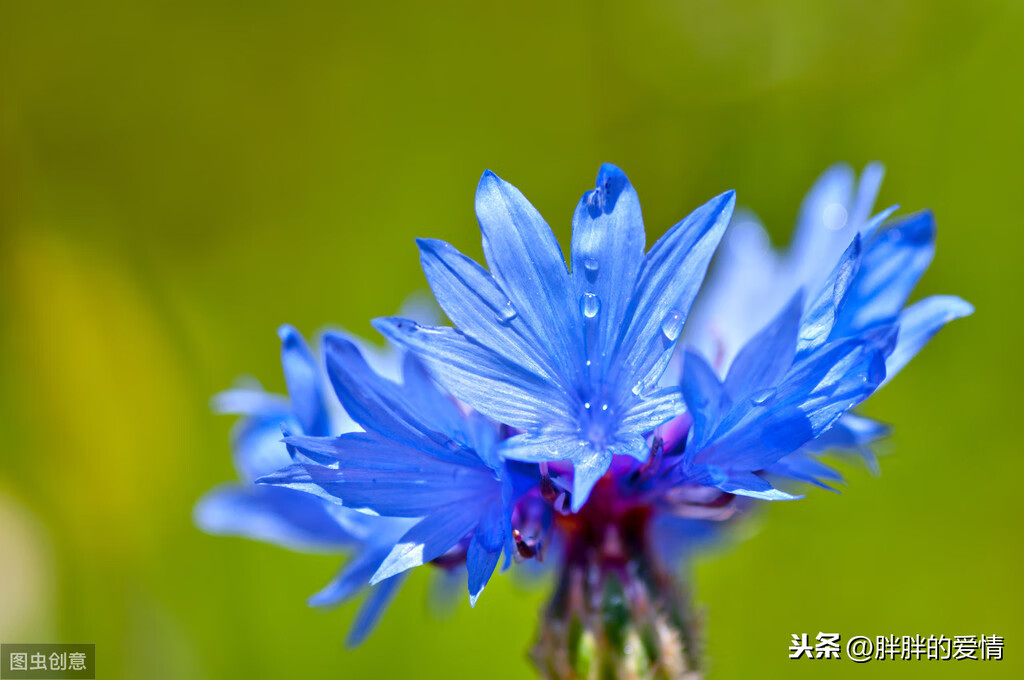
pixel 705 398
pixel 667 284
pixel 657 409
pixel 251 402
pixel 438 409
pixel 821 315
pixel 372 608
pixel 488 382
pixel 608 244
pixel 839 378
pixel 374 402
pixel 474 301
pixel 284 517
pixel 523 255
pixel 302 376
pixel 824 227
pixel 803 467
pixel 892 262
pixel 484 551
pixel 354 576
pixel 256 446
pixel 588 469
pixel 376 474
pixel 749 484
pixel 767 357
pixel 429 539
pixel 918 324
pixel 547 444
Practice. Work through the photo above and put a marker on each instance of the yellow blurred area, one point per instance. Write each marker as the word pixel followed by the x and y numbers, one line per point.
pixel 107 385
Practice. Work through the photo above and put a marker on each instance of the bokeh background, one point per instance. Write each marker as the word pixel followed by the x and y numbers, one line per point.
pixel 179 178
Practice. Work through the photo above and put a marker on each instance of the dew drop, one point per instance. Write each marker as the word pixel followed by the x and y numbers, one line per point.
pixel 590 305
pixel 586 405
pixel 590 266
pixel 834 216
pixel 761 396
pixel 672 325
pixel 604 407
pixel 507 312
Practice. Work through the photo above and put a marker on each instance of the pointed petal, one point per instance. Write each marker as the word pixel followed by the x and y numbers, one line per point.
pixel 820 317
pixel 668 282
pixel 376 403
pixel 868 184
pixel 353 577
pixel 749 484
pixel 374 473
pixel 823 220
pixel 586 470
pixel 436 408
pixel 477 305
pixel 766 433
pixel 484 551
pixel 256 446
pixel 893 261
pixel 372 609
pixel 838 377
pixel 705 396
pixel 523 255
pixel 607 252
pixel 744 289
pixel 918 324
pixel 284 517
pixel 852 431
pixel 549 444
pixel 429 539
pixel 804 468
pixel 489 383
pixel 302 374
pixel 656 409
pixel 768 355
pixel 251 402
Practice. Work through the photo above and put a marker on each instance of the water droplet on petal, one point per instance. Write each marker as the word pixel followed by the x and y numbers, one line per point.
pixel 590 266
pixel 761 396
pixel 604 407
pixel 586 405
pixel 834 216
pixel 672 325
pixel 507 312
pixel 590 305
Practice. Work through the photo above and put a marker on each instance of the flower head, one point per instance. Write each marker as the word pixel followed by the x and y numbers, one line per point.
pixel 288 517
pixel 856 274
pixel 558 383
pixel 421 456
pixel 570 359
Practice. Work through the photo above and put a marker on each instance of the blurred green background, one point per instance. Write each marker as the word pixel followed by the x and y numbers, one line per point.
pixel 179 178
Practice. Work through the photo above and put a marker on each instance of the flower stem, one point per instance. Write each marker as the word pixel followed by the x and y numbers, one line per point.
pixel 617 614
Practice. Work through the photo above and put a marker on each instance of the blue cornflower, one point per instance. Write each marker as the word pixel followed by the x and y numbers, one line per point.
pixel 860 275
pixel 773 401
pixel 556 383
pixel 287 517
pixel 571 360
pixel 422 455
